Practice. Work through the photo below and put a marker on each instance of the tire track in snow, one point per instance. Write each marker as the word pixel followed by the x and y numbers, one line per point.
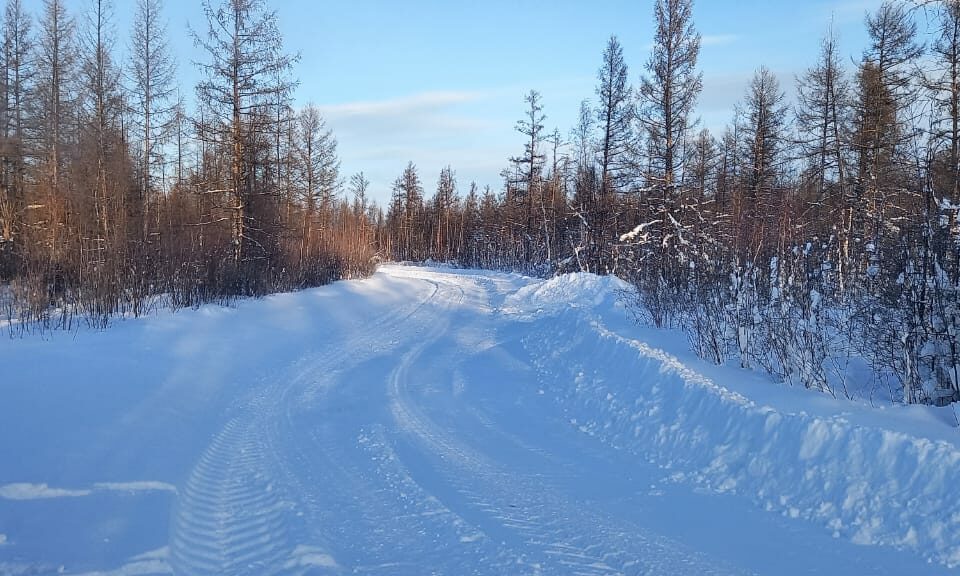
pixel 369 509
pixel 298 443
pixel 529 521
pixel 229 518
pixel 273 483
pixel 550 533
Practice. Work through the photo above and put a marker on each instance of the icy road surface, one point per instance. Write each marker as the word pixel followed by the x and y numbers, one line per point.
pixel 420 422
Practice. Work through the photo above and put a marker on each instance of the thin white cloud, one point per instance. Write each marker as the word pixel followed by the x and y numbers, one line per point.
pixel 413 104
pixel 426 116
pixel 432 129
pixel 852 10
pixel 718 39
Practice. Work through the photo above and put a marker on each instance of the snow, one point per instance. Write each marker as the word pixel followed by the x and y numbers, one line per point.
pixel 145 486
pixel 25 491
pixel 311 556
pixel 877 477
pixel 431 420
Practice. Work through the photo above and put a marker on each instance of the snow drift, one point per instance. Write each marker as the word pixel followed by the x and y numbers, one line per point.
pixel 873 476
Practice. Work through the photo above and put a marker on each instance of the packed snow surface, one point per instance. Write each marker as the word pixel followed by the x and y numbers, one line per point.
pixel 432 421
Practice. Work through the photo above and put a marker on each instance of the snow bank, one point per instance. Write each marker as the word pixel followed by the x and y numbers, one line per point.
pixel 865 474
pixel 577 290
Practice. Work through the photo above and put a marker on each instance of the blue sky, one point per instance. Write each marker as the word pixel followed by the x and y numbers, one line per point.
pixel 442 82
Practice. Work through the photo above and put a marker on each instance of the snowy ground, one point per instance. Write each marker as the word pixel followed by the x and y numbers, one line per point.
pixel 432 421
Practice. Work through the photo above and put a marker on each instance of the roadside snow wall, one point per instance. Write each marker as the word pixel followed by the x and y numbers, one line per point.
pixel 871 484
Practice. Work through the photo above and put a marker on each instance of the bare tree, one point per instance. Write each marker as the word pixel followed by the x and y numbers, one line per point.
pixel 54 111
pixel 525 180
pixel 318 177
pixel 885 92
pixel 444 204
pixel 823 118
pixel 244 73
pixel 405 216
pixel 585 187
pixel 529 166
pixel 944 83
pixel 614 115
pixel 18 67
pixel 823 121
pixel 152 73
pixel 764 139
pixel 359 187
pixel 102 109
pixel 668 95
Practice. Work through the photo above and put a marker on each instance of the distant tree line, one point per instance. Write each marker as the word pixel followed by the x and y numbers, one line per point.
pixel 113 197
pixel 802 239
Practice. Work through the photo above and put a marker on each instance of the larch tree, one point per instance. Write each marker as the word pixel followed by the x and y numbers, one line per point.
pixel 585 186
pixel 764 143
pixel 885 92
pixel 359 188
pixel 318 174
pixel 54 114
pixel 823 125
pixel 405 217
pixel 18 67
pixel 937 304
pixel 445 202
pixel 152 73
pixel 103 149
pixel 470 234
pixel 243 75
pixel 885 191
pixel 530 165
pixel 524 182
pixel 614 115
pixel 669 92
pixel 944 83
pixel 701 161
pixel 824 115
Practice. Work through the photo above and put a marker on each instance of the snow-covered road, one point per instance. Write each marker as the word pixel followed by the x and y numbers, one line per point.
pixel 377 455
pixel 420 422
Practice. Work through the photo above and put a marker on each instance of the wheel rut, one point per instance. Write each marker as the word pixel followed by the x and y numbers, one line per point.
pixel 544 529
pixel 229 518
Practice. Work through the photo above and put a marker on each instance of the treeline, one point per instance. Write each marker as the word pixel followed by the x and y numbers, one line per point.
pixel 801 240
pixel 114 197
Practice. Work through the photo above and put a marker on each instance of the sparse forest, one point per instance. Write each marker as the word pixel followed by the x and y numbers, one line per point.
pixel 805 238
pixel 816 231
pixel 116 196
